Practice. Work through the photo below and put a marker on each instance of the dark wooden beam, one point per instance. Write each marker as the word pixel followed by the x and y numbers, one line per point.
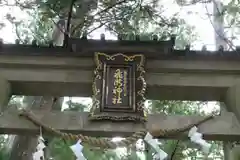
pixel 225 128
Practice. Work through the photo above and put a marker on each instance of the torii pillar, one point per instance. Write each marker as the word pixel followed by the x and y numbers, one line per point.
pixel 5 93
pixel 232 103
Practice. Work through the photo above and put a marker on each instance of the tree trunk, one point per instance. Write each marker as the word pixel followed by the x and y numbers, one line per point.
pixel 218 24
pixel 24 146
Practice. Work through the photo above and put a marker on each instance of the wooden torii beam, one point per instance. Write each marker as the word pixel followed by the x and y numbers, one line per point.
pixel 46 71
pixel 181 78
pixel 224 128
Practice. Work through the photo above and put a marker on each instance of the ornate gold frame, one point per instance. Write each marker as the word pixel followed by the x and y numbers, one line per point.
pixel 141 112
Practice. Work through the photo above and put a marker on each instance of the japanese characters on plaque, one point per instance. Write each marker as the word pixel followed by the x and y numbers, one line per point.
pixel 119 86
pixel 120 89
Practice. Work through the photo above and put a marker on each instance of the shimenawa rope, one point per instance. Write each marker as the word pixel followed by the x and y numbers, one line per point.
pixel 106 143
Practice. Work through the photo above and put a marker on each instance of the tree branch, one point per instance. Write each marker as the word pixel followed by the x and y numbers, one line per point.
pixel 99 12
pixel 110 7
pixel 17 33
pixel 67 32
pixel 193 2
pixel 174 151
pixel 229 43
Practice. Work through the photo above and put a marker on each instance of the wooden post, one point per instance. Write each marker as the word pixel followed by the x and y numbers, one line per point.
pixel 227 146
pixel 227 150
pixel 232 102
pixel 5 93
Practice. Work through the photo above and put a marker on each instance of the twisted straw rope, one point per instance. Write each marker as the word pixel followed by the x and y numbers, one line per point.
pixel 106 143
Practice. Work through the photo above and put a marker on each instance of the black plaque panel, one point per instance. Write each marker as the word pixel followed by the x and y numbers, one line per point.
pixel 118 87
pixel 118 91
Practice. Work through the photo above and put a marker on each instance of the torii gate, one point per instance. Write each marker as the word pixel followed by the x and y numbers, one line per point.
pixel 170 75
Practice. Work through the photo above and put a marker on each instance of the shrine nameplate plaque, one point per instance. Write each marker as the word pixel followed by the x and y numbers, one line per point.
pixel 118 87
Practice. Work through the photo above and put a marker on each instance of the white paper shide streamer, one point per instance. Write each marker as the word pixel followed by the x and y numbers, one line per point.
pixel 160 155
pixel 77 150
pixel 39 154
pixel 196 137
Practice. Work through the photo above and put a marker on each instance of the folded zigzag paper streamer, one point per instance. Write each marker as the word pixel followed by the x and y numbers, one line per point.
pixel 196 137
pixel 39 154
pixel 77 150
pixel 160 154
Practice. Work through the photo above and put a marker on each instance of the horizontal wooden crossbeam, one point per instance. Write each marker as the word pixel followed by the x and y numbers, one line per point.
pixel 170 79
pixel 224 127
